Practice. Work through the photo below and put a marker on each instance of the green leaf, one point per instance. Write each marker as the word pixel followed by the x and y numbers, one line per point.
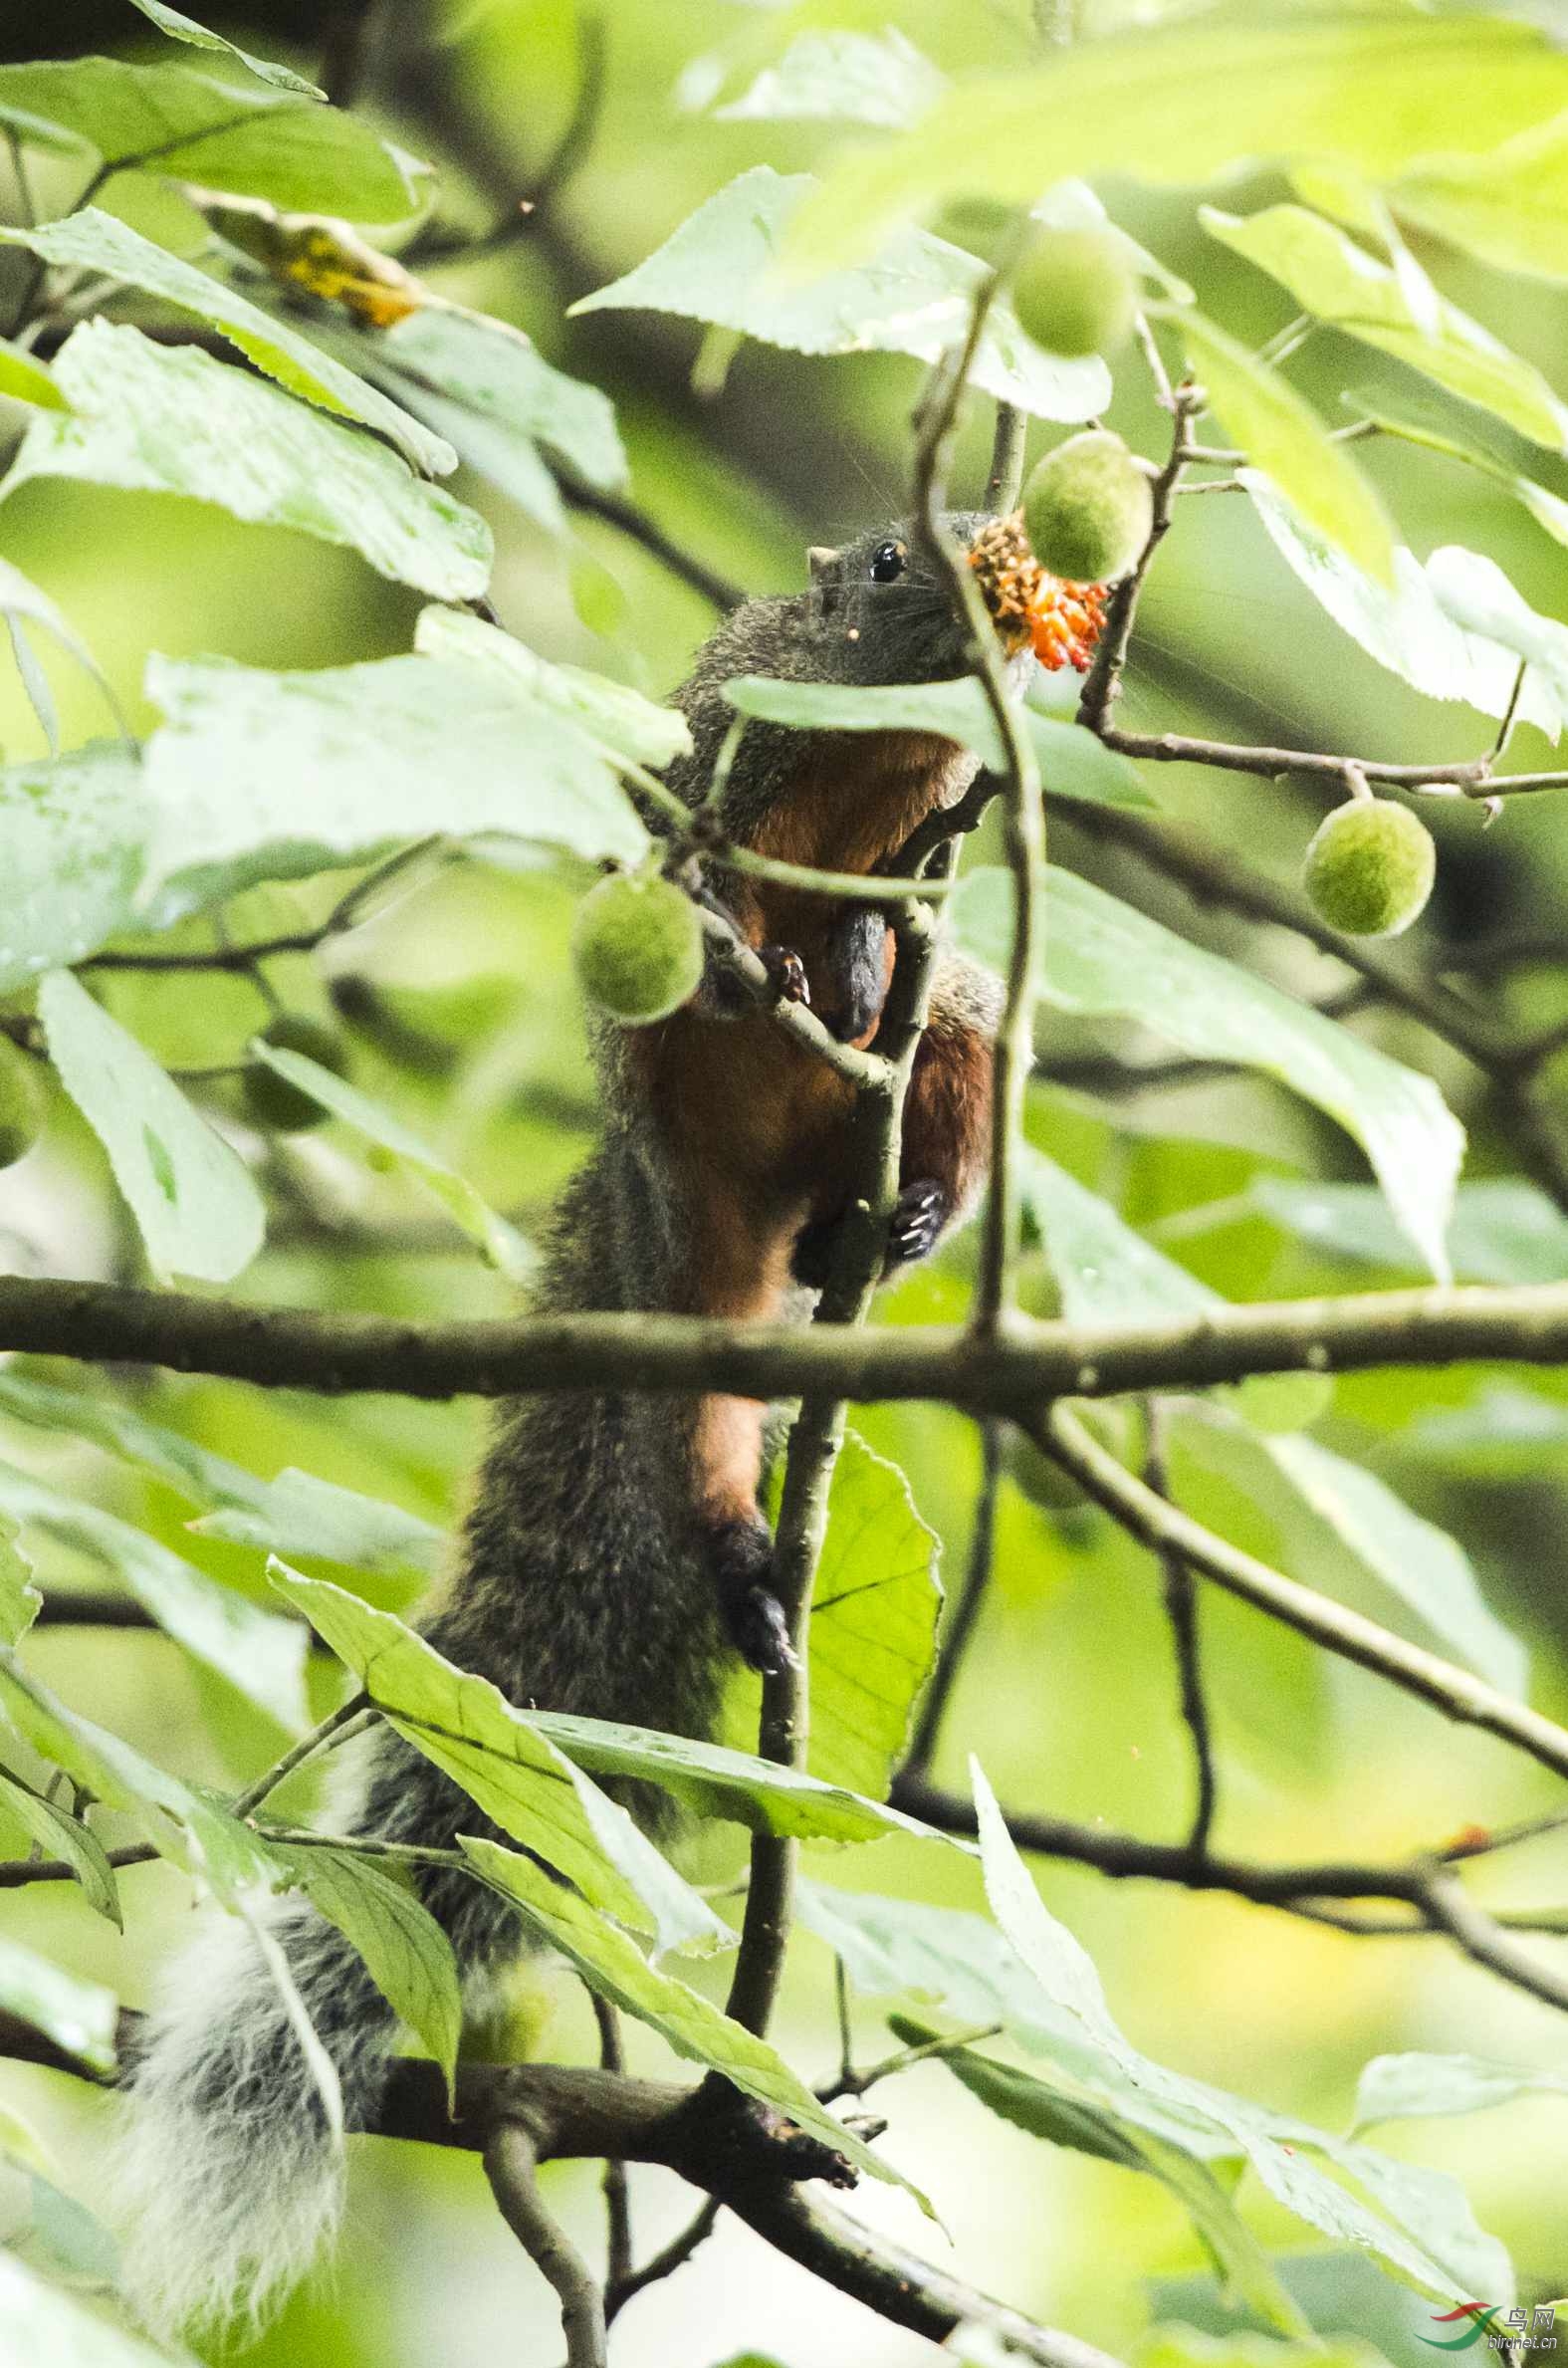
pixel 20 2145
pixel 1409 630
pixel 1408 2087
pixel 502 1243
pixel 720 266
pixel 1286 2167
pixel 80 2017
pixel 69 2241
pixel 26 379
pixel 902 1946
pixel 1072 762
pixel 259 144
pixel 511 462
pixel 1502 1228
pixel 505 1764
pixel 1502 1432
pixel 611 1964
pixel 1108 1274
pixel 60 1835
pixel 293 1514
pixel 1475 593
pixel 621 724
pixel 20 596
pixel 715 1782
pixel 321 2067
pixel 20 1599
pixel 1509 206
pixel 408 1956
pixel 192 1196
pixel 1183 102
pixel 46 2328
pixel 1103 958
pixel 259 775
pixel 1282 435
pixel 873 1626
pixel 494 371
pixel 188 1828
pixel 1332 278
pixel 184 28
pixel 852 78
pixel 93 241
pixel 1048 2112
pixel 1180 2347
pixel 74 839
pixel 260 1654
pixel 172 420
pixel 1336 1521
pixel 1425 421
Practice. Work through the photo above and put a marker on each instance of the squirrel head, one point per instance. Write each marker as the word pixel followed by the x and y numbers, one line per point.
pixel 878 612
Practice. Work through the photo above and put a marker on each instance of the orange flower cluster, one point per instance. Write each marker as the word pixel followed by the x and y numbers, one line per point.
pixel 1061 621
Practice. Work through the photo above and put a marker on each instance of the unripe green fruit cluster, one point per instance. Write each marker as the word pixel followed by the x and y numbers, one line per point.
pixel 637 946
pixel 1074 293
pixel 23 1100
pixel 269 1100
pixel 1088 509
pixel 1370 867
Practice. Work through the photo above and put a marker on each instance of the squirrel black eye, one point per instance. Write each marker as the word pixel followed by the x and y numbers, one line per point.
pixel 887 563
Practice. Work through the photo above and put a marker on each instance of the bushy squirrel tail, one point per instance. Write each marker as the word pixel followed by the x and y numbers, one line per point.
pixel 576 1589
pixel 226 2174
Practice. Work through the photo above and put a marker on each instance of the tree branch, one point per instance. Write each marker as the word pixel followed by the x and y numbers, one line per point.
pixel 295 1348
pixel 740 2154
pixel 512 2165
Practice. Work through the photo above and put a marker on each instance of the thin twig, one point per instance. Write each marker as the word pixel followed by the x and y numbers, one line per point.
pixel 1004 480
pixel 664 2262
pixel 526 213
pixel 1018 780
pixel 331 1730
pixel 617 2200
pixel 1181 1605
pixel 630 520
pixel 851 2083
pixel 1104 682
pixel 965 1611
pixel 1455 1692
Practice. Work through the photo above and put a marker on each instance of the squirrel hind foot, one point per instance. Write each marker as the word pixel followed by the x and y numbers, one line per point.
pixel 741 1557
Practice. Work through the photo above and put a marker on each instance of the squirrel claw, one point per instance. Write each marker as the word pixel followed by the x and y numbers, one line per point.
pixel 742 1558
pixel 787 973
pixel 920 1213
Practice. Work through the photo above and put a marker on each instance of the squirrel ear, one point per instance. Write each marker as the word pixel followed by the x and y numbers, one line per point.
pixel 821 558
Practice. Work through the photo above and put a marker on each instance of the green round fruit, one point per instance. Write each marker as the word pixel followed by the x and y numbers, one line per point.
pixel 1074 293
pixel 284 1109
pixel 23 1101
pixel 1088 509
pixel 637 945
pixel 1370 867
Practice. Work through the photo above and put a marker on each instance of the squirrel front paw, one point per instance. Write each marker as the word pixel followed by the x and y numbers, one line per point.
pixel 741 1556
pixel 919 1214
pixel 787 973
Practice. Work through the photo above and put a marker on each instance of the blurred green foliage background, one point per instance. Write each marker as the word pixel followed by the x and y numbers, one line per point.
pixel 1070 1693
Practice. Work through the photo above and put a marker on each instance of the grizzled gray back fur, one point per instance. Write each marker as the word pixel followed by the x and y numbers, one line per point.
pixel 578 1587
